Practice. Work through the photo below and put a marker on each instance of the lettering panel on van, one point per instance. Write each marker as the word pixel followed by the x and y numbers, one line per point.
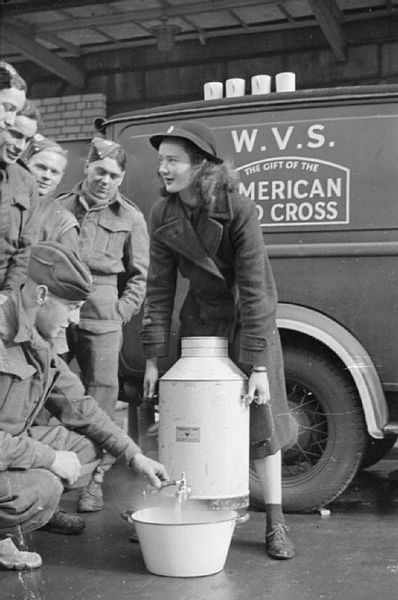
pixel 315 170
pixel 325 173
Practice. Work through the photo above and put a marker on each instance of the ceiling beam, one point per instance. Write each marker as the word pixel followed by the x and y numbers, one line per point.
pixel 328 17
pixel 201 32
pixel 105 35
pixel 189 36
pixel 182 37
pixel 285 12
pixel 58 41
pixel 43 57
pixel 149 14
pixel 237 18
pixel 33 33
pixel 29 6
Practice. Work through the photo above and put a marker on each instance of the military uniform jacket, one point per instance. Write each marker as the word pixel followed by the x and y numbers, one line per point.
pixel 113 240
pixel 33 376
pixel 18 224
pixel 57 224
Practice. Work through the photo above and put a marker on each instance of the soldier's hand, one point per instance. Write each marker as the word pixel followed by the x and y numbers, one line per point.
pixel 66 465
pixel 152 469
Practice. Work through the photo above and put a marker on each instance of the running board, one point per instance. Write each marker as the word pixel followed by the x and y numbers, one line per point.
pixel 391 428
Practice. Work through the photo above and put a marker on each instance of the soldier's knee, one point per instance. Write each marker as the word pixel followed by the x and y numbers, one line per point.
pixel 49 488
pixel 31 498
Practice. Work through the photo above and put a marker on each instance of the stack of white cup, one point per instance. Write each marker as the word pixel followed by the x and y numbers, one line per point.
pixel 213 90
pixel 285 81
pixel 260 84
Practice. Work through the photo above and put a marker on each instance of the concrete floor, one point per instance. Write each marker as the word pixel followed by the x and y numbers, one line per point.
pixel 349 555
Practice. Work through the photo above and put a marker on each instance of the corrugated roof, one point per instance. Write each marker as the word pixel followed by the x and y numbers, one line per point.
pixel 51 31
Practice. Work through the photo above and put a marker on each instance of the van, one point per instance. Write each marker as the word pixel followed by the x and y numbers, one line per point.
pixel 322 168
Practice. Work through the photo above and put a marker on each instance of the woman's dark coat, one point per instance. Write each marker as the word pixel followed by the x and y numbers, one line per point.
pixel 231 288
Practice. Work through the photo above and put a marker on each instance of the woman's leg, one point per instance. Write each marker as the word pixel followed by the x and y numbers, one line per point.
pixel 269 471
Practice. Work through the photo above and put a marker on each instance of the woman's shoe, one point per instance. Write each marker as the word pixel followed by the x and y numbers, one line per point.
pixel 278 543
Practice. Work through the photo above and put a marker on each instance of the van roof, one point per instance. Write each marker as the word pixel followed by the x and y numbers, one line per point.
pixel 281 101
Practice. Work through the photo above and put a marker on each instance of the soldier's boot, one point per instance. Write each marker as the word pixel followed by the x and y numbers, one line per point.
pixel 13 558
pixel 64 523
pixel 91 497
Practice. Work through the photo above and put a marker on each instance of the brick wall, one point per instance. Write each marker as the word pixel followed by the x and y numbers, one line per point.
pixel 71 116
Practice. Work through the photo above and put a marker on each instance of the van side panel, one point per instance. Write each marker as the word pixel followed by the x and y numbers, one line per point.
pixel 324 178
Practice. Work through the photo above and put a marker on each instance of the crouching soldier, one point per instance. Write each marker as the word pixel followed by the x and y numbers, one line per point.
pixel 38 462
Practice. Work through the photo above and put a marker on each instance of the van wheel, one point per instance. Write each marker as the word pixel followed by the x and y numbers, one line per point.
pixel 332 434
pixel 375 450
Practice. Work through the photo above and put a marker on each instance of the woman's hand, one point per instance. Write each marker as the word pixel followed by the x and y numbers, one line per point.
pixel 151 377
pixel 258 388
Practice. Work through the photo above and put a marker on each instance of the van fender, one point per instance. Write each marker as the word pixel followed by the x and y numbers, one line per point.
pixel 349 350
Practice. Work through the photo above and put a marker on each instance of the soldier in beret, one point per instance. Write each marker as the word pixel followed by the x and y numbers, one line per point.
pixel 47 161
pixel 113 241
pixel 18 199
pixel 38 462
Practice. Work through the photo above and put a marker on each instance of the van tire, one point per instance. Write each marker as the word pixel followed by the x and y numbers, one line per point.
pixel 332 433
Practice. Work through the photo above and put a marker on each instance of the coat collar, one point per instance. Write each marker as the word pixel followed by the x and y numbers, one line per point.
pixel 222 209
pixel 14 323
pixel 78 191
pixel 26 332
pixel 199 246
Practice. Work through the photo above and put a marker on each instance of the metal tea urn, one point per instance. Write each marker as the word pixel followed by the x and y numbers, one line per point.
pixel 204 423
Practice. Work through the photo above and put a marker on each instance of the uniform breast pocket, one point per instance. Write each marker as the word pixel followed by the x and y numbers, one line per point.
pixel 111 236
pixel 12 222
pixel 17 395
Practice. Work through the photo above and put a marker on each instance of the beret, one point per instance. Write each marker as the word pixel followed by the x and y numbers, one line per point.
pixel 61 269
pixel 40 143
pixel 196 132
